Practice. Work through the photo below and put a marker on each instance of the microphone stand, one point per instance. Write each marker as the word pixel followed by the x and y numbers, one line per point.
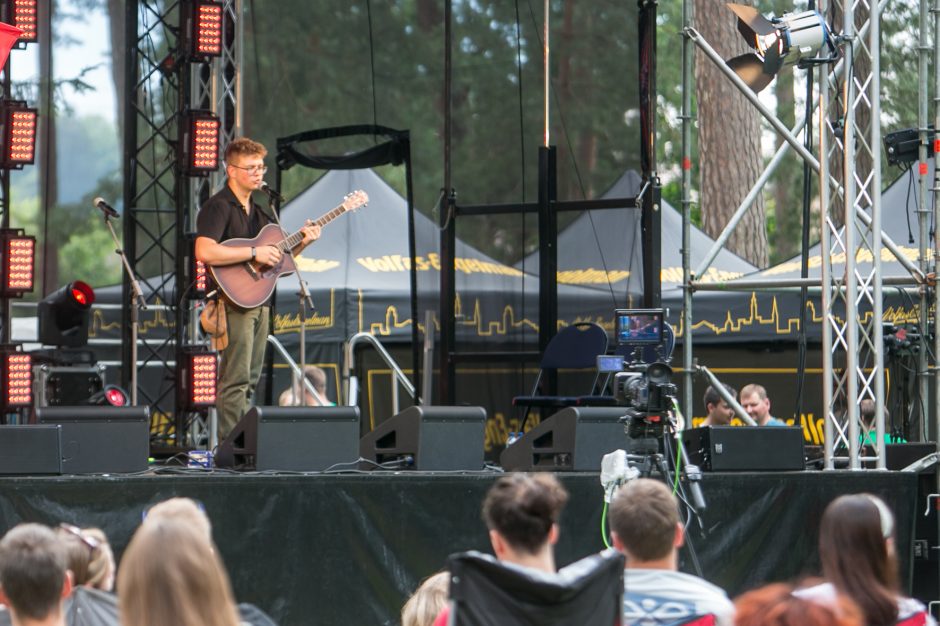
pixel 137 304
pixel 305 301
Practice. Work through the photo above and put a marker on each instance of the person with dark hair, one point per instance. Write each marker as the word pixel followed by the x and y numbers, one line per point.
pixel 34 578
pixel 645 527
pixel 856 547
pixel 231 214
pixel 866 411
pixel 718 411
pixel 521 512
pixel 776 605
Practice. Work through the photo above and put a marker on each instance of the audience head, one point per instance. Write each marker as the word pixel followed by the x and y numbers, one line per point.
pixel 186 510
pixel 89 556
pixel 775 605
pixel 33 572
pixel 755 401
pixel 428 600
pixel 718 411
pixel 170 575
pixel 521 512
pixel 644 521
pixel 856 547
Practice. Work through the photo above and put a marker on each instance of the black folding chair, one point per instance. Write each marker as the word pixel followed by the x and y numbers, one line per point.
pixel 488 592
pixel 574 347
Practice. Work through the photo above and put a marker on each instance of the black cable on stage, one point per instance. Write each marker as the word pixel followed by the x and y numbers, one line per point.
pixel 804 243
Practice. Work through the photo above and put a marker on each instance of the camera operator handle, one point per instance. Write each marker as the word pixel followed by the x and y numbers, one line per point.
pixel 694 475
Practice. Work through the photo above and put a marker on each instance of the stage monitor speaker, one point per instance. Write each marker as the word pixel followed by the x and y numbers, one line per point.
pixel 745 448
pixel 101 439
pixel 573 439
pixel 435 437
pixel 30 449
pixel 293 439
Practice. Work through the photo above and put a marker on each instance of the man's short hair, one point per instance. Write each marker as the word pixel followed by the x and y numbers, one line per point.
pixel 644 514
pixel 243 146
pixel 752 389
pixel 712 397
pixel 32 570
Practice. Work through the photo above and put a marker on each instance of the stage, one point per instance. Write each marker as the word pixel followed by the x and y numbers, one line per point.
pixel 349 548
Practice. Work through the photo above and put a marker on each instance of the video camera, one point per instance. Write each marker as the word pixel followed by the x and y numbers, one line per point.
pixel 642 381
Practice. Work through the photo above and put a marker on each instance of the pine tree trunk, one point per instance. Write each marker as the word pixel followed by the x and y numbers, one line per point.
pixel 729 138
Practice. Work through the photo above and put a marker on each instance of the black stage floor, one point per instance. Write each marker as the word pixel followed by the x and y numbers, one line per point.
pixel 349 548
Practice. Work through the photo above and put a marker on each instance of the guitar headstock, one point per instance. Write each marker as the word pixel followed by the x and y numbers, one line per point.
pixel 355 199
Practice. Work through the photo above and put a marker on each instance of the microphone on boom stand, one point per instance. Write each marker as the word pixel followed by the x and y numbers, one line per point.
pixel 272 192
pixel 106 208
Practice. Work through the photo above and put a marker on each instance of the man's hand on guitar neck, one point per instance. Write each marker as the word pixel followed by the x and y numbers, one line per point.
pixel 311 231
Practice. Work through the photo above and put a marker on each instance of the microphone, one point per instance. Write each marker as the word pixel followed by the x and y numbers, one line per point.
pixel 106 208
pixel 272 192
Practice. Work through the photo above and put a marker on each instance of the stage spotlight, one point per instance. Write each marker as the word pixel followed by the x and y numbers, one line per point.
pixel 111 395
pixel 18 252
pixel 203 29
pixel 22 15
pixel 19 135
pixel 16 378
pixel 199 143
pixel 792 39
pixel 63 315
pixel 197 372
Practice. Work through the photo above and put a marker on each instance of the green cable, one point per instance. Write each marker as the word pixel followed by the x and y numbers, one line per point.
pixel 675 484
pixel 604 525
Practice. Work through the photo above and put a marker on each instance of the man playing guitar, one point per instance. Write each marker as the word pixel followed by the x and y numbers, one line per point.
pixel 231 214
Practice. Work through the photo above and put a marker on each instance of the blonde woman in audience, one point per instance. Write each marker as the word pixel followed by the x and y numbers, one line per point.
pixel 89 554
pixel 170 575
pixel 428 600
pixel 856 547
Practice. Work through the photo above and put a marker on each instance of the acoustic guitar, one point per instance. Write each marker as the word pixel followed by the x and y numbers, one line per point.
pixel 250 283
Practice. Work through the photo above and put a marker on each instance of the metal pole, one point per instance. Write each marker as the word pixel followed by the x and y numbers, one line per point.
pixel 876 330
pixel 923 219
pixel 825 244
pixel 849 238
pixel 686 182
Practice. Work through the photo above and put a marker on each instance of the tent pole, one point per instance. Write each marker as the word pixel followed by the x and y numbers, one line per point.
pixel 923 219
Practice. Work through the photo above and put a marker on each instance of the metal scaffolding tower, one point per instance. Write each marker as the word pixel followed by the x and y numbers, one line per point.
pixel 853 346
pixel 159 201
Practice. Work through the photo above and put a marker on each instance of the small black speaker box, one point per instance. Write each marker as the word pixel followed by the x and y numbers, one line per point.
pixel 745 448
pixel 573 439
pixel 101 439
pixel 30 449
pixel 436 437
pixel 294 439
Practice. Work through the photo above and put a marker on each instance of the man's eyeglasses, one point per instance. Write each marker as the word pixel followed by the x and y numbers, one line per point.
pixel 254 169
pixel 91 542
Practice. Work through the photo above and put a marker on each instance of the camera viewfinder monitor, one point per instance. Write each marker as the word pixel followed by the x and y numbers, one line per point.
pixel 639 326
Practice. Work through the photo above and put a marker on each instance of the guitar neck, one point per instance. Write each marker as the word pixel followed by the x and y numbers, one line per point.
pixel 294 240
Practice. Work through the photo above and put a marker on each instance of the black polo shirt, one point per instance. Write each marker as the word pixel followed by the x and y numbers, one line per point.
pixel 222 217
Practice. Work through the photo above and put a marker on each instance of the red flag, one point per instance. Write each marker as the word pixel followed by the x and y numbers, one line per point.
pixel 8 36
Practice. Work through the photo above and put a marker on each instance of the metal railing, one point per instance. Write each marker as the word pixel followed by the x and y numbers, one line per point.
pixel 351 382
